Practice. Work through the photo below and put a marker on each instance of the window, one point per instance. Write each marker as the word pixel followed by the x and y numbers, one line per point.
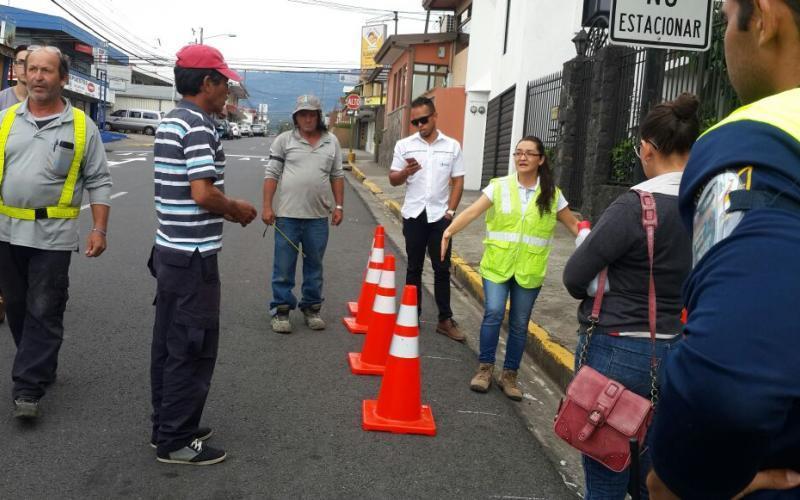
pixel 135 114
pixel 120 113
pixel 399 88
pixel 464 17
pixel 427 77
pixel 151 116
pixel 508 17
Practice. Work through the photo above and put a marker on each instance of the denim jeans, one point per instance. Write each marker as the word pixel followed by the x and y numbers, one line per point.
pixel 35 283
pixel 311 235
pixel 626 360
pixel 495 297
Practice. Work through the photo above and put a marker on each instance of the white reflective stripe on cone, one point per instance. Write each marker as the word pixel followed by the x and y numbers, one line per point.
pixel 408 316
pixel 377 255
pixel 373 276
pixel 404 347
pixel 387 279
pixel 383 304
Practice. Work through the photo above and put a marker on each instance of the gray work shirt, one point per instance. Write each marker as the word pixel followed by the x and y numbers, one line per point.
pixel 36 168
pixel 8 98
pixel 304 174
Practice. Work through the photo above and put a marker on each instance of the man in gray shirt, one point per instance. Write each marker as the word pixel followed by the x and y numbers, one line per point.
pixel 9 97
pixel 50 152
pixel 303 164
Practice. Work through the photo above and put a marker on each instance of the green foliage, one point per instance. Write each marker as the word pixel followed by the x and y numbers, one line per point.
pixel 623 161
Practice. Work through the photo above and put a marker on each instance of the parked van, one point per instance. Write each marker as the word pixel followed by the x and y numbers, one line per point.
pixel 136 120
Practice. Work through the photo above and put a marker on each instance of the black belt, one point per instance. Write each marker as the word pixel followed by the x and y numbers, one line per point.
pixel 743 200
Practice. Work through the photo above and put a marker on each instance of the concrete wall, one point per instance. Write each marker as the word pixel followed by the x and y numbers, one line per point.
pixel 449 104
pixel 459 69
pixel 124 102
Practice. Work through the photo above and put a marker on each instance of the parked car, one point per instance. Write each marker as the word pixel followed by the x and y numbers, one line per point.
pixel 236 133
pixel 136 120
pixel 245 129
pixel 259 129
pixel 223 129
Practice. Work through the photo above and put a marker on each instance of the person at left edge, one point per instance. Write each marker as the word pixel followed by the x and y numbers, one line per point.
pixel 50 153
pixel 191 205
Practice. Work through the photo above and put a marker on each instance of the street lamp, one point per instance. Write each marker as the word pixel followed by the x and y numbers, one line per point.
pixel 581 41
pixel 229 35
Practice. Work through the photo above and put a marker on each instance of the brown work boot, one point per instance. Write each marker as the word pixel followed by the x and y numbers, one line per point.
pixel 450 328
pixel 483 378
pixel 2 309
pixel 508 382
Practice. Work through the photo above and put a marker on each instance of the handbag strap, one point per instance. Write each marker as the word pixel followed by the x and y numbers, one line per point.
pixel 649 223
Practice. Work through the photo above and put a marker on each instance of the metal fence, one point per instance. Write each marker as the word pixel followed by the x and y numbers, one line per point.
pixel 541 109
pixel 653 76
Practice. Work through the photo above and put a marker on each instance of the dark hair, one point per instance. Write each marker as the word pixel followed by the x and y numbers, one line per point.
pixel 189 81
pixel 746 8
pixel 320 122
pixel 20 48
pixel 673 126
pixel 547 186
pixel 423 101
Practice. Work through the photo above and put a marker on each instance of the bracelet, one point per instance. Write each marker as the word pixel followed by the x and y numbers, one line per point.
pixel 98 230
pixel 339 207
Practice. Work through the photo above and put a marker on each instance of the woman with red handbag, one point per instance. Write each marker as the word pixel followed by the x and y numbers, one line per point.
pixel 620 347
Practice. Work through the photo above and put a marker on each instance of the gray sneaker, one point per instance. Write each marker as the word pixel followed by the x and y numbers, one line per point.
pixel 280 322
pixel 195 453
pixel 312 318
pixel 26 408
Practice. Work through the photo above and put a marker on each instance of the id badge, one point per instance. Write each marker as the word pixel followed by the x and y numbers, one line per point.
pixel 712 222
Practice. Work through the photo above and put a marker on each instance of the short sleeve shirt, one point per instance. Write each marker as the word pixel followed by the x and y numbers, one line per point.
pixel 429 189
pixel 187 148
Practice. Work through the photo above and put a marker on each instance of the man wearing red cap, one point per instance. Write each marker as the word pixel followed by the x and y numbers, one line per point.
pixel 191 206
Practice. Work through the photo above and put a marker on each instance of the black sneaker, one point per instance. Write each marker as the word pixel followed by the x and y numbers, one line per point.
pixel 26 408
pixel 202 434
pixel 193 454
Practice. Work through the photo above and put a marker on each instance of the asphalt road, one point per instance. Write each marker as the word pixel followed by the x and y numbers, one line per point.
pixel 286 408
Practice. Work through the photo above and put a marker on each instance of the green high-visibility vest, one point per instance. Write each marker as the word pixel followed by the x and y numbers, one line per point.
pixel 782 111
pixel 64 209
pixel 517 245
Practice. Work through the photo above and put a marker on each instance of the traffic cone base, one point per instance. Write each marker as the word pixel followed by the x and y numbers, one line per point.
pixel 352 308
pixel 371 421
pixel 353 327
pixel 359 367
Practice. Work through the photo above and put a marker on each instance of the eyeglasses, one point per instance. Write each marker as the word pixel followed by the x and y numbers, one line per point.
pixel 527 154
pixel 637 150
pixel 422 120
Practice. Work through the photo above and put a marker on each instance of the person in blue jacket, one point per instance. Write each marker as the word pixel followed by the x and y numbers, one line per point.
pixel 728 421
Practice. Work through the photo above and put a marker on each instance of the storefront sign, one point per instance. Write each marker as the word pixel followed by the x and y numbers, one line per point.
pixel 372 38
pixel 82 86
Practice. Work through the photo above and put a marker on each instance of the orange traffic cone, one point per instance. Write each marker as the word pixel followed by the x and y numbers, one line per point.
pixel 360 322
pixel 372 359
pixel 399 406
pixel 352 307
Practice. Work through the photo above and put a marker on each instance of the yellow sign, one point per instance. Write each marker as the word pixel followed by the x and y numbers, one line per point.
pixel 374 101
pixel 372 38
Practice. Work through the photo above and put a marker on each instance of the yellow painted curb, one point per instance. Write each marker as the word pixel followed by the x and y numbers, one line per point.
pixel 555 350
pixel 393 207
pixel 372 187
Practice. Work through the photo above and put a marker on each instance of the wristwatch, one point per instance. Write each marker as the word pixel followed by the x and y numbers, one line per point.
pixel 339 207
pixel 451 212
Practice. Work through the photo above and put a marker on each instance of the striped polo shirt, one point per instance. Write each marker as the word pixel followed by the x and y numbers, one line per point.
pixel 187 148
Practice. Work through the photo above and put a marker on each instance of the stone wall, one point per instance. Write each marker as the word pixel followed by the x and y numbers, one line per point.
pixel 392 132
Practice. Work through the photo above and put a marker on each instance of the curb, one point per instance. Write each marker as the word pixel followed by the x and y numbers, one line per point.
pixel 556 360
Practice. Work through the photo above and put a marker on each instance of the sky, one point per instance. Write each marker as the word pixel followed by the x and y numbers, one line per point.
pixel 268 32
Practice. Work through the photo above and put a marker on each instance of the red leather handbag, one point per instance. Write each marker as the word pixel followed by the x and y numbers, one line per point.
pixel 599 416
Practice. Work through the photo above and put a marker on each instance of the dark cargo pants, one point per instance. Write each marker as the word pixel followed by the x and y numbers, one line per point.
pixel 35 284
pixel 185 341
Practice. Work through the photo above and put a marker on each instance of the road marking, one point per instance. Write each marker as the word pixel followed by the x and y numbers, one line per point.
pixel 441 357
pixel 247 156
pixel 509 497
pixel 113 164
pixel 115 195
pixel 528 396
pixel 479 413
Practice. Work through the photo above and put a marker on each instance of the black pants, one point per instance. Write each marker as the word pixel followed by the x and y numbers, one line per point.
pixel 185 341
pixel 34 284
pixel 421 237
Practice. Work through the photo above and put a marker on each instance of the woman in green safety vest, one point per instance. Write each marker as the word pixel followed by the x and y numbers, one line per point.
pixel 522 211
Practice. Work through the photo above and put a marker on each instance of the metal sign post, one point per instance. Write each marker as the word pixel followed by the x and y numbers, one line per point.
pixel 678 24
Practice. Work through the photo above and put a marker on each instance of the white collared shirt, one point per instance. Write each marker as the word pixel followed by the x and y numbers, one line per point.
pixel 429 188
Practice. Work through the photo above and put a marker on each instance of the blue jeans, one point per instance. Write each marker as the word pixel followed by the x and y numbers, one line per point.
pixel 494 305
pixel 311 235
pixel 626 360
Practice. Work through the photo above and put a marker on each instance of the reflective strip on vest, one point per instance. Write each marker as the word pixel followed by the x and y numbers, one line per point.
pixel 64 209
pixel 505 193
pixel 515 238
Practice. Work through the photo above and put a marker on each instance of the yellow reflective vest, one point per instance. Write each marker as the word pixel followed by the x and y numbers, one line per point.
pixel 64 209
pixel 517 245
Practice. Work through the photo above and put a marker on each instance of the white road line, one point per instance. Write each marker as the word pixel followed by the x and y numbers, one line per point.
pixel 441 357
pixel 115 195
pixel 115 164
pixel 479 413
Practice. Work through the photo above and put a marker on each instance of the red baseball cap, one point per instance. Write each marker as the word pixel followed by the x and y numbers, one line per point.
pixel 205 57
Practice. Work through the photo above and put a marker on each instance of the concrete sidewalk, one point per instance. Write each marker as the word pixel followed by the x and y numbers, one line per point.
pixel 552 337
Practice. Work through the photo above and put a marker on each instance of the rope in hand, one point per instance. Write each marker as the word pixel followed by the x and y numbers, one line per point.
pixel 296 247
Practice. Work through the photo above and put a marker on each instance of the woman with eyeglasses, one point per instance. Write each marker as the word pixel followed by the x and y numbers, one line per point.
pixel 620 347
pixel 523 208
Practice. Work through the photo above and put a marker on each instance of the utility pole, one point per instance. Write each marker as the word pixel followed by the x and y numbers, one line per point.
pixel 201 35
pixel 395 22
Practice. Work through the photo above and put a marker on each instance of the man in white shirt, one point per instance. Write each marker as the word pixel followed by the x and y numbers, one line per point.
pixel 432 167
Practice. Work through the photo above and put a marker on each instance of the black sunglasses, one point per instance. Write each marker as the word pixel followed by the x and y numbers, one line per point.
pixel 422 120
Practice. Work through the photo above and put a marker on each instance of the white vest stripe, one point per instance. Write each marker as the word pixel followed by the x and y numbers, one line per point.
pixel 506 197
